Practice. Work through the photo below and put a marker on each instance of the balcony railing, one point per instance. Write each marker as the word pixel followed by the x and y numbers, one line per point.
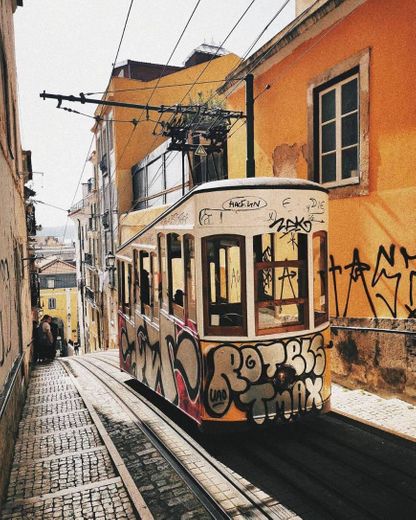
pixel 79 205
pixel 34 289
pixel 89 294
pixel 106 220
pixel 92 223
pixel 103 164
pixel 88 259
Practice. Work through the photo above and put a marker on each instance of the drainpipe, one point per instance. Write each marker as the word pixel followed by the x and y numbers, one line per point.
pixel 81 267
pixel 250 162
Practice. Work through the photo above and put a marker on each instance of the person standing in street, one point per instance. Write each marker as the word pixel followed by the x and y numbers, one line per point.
pixel 44 339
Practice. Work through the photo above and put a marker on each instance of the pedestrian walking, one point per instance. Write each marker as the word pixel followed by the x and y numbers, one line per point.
pixel 44 340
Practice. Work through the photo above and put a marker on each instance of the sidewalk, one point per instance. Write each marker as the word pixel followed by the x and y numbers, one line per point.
pixel 61 468
pixel 390 415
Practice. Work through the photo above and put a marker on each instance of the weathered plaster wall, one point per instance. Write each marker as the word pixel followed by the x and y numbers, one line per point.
pixel 15 311
pixel 372 236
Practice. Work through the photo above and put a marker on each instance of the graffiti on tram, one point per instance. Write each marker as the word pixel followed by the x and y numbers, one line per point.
pixel 171 367
pixel 246 376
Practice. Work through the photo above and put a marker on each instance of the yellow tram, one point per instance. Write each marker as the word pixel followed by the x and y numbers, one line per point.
pixel 223 302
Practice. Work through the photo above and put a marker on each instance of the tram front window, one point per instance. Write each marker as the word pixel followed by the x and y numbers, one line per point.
pixel 224 276
pixel 320 277
pixel 280 262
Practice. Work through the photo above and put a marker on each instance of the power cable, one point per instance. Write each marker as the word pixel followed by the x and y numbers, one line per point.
pixel 102 109
pixel 156 86
pixel 171 85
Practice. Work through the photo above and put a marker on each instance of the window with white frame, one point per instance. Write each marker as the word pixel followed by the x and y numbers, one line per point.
pixel 337 132
pixel 51 303
pixel 50 283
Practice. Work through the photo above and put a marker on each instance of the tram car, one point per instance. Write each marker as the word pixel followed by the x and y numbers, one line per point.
pixel 223 302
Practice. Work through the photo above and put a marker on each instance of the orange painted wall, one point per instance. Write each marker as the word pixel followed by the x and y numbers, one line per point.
pixel 387 215
pixel 142 141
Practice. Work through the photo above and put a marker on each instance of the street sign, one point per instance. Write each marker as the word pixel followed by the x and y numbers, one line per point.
pixel 201 151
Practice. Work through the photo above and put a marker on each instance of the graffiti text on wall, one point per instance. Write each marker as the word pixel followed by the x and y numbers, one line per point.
pixel 6 311
pixel 394 270
pixel 246 376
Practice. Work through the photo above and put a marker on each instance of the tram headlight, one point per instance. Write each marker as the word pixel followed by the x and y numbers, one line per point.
pixel 284 376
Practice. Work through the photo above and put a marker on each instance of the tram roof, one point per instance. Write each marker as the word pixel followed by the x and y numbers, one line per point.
pixel 233 184
pixel 258 182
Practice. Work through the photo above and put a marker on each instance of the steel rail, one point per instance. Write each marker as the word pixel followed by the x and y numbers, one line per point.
pixel 212 507
pixel 228 477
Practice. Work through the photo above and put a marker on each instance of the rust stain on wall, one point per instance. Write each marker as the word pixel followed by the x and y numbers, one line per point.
pixel 286 158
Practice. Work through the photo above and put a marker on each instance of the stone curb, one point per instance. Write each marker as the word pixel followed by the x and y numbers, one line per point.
pixel 134 494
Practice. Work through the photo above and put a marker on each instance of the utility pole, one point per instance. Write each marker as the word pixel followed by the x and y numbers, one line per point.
pixel 250 162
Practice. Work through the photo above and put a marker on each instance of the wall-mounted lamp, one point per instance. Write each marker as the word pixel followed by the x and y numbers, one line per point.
pixel 110 260
pixel 33 258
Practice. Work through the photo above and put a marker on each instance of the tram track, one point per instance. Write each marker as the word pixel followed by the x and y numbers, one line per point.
pixel 256 508
pixel 329 468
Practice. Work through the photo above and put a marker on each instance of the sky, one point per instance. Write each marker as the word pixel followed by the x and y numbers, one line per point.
pixel 68 47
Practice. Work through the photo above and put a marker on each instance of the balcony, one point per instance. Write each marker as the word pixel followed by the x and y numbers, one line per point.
pixel 89 294
pixel 34 289
pixel 76 207
pixel 92 223
pixel 103 165
pixel 88 259
pixel 106 220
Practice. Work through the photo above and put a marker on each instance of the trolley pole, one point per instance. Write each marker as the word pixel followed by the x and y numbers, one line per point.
pixel 250 162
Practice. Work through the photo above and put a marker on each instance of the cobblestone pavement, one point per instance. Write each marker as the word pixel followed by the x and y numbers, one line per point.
pixel 392 415
pixel 167 496
pixel 61 469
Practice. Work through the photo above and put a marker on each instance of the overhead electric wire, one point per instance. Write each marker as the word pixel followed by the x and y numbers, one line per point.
pixel 102 109
pixel 156 86
pixel 261 57
pixel 219 47
pixel 171 85
pixel 264 29
pixel 192 85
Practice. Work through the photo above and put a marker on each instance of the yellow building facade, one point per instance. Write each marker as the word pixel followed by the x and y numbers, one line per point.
pixel 126 136
pixel 58 295
pixel 335 104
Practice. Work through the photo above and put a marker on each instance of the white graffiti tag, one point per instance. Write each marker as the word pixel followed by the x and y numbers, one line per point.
pixel 247 377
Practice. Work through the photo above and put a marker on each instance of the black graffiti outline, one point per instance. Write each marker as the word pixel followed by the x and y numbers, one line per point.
pixel 6 324
pixel 291 225
pixel 412 275
pixel 143 342
pixel 259 203
pixel 130 345
pixel 177 365
pixel 247 405
pixel 173 349
pixel 389 257
pixel 357 268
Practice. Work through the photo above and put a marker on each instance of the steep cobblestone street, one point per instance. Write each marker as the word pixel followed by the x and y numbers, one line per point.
pixel 61 468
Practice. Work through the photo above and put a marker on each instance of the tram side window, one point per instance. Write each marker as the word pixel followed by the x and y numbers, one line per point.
pixel 124 287
pixel 154 286
pixel 163 289
pixel 120 280
pixel 320 277
pixel 224 282
pixel 190 289
pixel 175 275
pixel 128 289
pixel 280 265
pixel 136 279
pixel 145 274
